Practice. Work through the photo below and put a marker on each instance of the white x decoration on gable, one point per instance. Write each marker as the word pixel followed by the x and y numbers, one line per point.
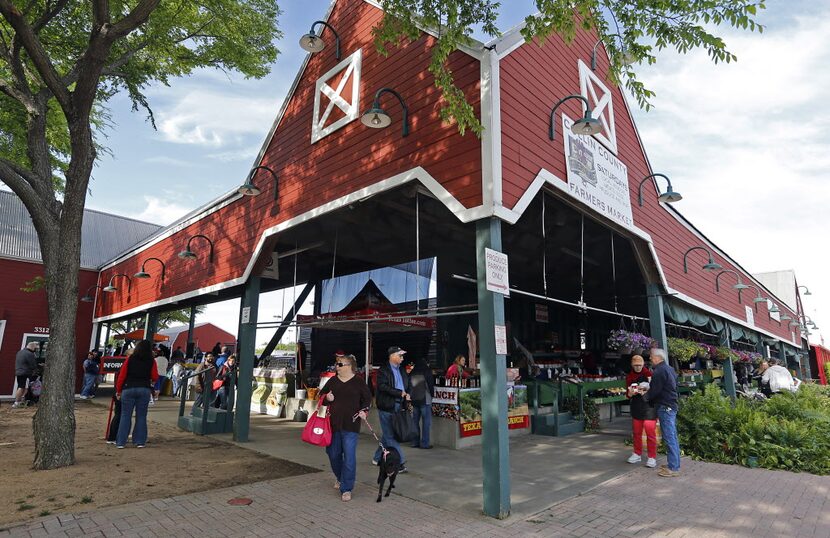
pixel 347 110
pixel 602 105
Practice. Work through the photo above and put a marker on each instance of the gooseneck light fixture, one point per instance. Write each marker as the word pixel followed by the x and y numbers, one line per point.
pixel 110 288
pixel 377 118
pixel 87 298
pixel 249 189
pixel 806 291
pixel 145 274
pixel 312 42
pixel 188 254
pixel 710 266
pixel 586 125
pixel 626 58
pixel 669 197
pixel 758 298
pixel 740 286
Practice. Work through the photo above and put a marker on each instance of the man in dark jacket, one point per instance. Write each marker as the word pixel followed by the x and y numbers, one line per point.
pixel 422 384
pixel 662 392
pixel 25 366
pixel 393 388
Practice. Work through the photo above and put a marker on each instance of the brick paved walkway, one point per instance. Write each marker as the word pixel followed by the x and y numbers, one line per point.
pixel 709 500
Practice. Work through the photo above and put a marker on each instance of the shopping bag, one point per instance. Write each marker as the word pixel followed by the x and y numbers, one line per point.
pixel 217 384
pixel 403 427
pixel 317 430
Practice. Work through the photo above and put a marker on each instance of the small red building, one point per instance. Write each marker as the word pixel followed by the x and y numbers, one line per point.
pixel 205 336
pixel 24 316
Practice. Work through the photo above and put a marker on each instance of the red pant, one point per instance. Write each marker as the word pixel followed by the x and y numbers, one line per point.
pixel 651 436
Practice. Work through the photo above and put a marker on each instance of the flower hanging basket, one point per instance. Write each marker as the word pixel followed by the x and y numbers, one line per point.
pixel 625 350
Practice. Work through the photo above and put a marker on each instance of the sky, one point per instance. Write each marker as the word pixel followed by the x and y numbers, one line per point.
pixel 746 143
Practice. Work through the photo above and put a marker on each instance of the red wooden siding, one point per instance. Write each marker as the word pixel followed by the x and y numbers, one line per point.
pixel 23 311
pixel 346 161
pixel 533 79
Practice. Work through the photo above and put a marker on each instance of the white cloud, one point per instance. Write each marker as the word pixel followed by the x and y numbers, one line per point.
pixel 168 161
pixel 244 154
pixel 161 211
pixel 747 145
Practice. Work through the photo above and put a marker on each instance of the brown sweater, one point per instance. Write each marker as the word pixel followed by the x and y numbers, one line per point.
pixel 349 398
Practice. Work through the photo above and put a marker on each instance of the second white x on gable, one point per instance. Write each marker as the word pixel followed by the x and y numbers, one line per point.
pixel 602 105
pixel 350 69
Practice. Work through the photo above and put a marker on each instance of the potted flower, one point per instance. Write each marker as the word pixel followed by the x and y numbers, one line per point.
pixel 683 350
pixel 724 354
pixel 620 340
pixel 641 343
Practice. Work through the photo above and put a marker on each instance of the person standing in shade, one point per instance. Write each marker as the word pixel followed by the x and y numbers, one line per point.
pixel 457 369
pixel 643 413
pixel 662 393
pixel 348 397
pixel 25 366
pixel 91 369
pixel 199 382
pixel 393 390
pixel 422 385
pixel 133 388
pixel 161 367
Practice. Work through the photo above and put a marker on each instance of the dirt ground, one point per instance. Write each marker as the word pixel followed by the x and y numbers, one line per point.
pixel 174 462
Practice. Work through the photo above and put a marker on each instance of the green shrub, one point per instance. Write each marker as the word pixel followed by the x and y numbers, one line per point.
pixel 788 431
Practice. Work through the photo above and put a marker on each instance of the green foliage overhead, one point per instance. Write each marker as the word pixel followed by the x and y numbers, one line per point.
pixel 632 32
pixel 788 431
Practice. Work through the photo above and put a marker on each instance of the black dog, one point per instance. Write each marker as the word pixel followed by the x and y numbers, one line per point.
pixel 388 467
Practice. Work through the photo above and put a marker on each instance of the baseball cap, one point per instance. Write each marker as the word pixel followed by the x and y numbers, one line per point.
pixel 339 353
pixel 395 349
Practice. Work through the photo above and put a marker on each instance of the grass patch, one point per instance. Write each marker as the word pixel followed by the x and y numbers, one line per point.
pixel 86 500
pixel 24 507
pixel 44 513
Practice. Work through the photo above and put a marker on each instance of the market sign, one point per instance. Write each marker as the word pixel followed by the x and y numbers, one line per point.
pixel 111 365
pixel 445 395
pixel 541 313
pixel 596 177
pixel 501 339
pixel 518 414
pixel 496 271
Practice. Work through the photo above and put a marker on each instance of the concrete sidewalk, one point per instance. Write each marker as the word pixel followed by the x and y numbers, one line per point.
pixel 544 470
pixel 709 500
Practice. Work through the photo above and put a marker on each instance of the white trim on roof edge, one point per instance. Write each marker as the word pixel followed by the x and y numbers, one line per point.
pixel 418 173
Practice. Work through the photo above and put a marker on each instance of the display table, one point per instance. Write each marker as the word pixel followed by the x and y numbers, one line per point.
pixel 271 389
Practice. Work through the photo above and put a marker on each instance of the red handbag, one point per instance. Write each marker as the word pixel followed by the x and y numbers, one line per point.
pixel 317 430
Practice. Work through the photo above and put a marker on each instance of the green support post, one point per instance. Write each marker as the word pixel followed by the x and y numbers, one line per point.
pixel 657 320
pixel 151 321
pixel 728 371
pixel 246 354
pixel 495 453
pixel 191 327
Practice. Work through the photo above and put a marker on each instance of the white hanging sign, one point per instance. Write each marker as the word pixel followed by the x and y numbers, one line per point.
pixel 496 271
pixel 750 315
pixel 272 268
pixel 246 314
pixel 501 339
pixel 596 177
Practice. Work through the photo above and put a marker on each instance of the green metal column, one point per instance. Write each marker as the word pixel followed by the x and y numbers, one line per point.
pixel 656 318
pixel 151 321
pixel 495 453
pixel 191 326
pixel 728 370
pixel 245 352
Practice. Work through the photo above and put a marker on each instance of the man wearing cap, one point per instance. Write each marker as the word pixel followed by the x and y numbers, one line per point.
pixel 393 389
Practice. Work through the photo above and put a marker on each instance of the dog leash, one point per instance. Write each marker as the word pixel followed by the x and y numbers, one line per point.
pixel 382 448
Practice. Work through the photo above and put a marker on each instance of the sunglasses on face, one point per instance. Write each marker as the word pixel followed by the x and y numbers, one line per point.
pixel 341 364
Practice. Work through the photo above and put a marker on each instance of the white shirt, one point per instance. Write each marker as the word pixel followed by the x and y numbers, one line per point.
pixel 161 364
pixel 779 378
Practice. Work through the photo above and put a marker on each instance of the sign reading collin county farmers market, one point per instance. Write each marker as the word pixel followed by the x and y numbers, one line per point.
pixel 469 401
pixel 596 177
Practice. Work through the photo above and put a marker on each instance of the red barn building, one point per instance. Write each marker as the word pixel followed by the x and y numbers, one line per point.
pixel 24 316
pixel 589 243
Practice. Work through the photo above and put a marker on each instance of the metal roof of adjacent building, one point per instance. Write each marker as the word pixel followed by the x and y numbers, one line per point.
pixel 103 235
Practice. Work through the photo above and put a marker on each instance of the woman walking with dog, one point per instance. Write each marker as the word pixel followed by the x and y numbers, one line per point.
pixel 349 399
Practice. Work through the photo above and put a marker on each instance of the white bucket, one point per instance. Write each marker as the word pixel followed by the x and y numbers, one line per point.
pixel 300 394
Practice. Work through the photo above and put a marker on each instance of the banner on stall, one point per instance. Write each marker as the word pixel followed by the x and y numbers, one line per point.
pixel 518 415
pixel 269 394
pixel 596 177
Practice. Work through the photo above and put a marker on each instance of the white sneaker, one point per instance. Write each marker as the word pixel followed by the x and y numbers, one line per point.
pixel 634 458
pixel 651 463
pixel 151 402
pixel 16 405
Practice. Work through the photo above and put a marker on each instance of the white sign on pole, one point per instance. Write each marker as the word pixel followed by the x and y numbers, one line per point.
pixel 246 314
pixel 501 340
pixel 496 271
pixel 750 315
pixel 541 313
pixel 596 177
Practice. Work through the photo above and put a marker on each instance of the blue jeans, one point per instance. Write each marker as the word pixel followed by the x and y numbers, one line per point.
pixel 422 416
pixel 89 385
pixel 160 383
pixel 343 458
pixel 668 425
pixel 137 398
pixel 388 437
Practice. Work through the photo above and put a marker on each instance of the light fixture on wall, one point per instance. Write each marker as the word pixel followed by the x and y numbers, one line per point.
pixel 377 118
pixel 249 189
pixel 144 274
pixel 188 254
pixel 586 125
pixel 87 298
pixel 806 291
pixel 669 197
pixel 710 266
pixel 311 42
pixel 785 317
pixel 627 59
pixel 740 286
pixel 110 288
